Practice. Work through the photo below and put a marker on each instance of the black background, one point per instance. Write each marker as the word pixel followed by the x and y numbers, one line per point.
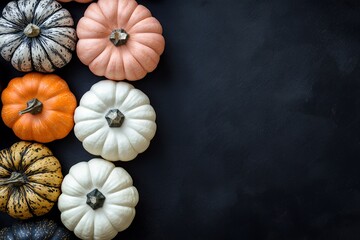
pixel 258 113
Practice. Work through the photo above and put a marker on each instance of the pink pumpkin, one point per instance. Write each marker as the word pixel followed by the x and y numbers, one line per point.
pixel 80 1
pixel 119 39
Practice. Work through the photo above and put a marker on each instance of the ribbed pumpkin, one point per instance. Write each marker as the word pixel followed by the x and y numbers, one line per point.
pixel 115 120
pixel 98 200
pixel 38 107
pixel 80 1
pixel 36 35
pixel 119 39
pixel 39 230
pixel 30 179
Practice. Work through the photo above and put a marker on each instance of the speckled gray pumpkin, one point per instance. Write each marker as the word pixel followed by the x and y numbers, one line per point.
pixel 40 230
pixel 36 35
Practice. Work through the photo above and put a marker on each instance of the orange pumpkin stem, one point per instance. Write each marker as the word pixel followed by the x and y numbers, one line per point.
pixel 119 37
pixel 15 178
pixel 33 106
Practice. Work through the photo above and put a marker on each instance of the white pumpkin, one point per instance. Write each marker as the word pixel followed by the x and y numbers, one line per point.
pixel 98 199
pixel 115 120
pixel 37 35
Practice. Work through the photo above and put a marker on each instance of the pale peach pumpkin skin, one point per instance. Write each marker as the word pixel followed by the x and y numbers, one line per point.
pixel 80 1
pixel 131 60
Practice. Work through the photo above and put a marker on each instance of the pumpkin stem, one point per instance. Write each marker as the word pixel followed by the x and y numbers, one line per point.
pixel 33 106
pixel 15 178
pixel 31 30
pixel 119 37
pixel 115 118
pixel 95 199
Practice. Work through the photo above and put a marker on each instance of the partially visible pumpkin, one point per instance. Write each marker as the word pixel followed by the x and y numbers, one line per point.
pixel 36 35
pixel 119 39
pixel 98 200
pixel 39 230
pixel 38 107
pixel 80 1
pixel 115 120
pixel 30 179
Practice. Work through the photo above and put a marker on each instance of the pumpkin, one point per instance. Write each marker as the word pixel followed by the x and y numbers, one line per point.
pixel 98 199
pixel 36 35
pixel 38 230
pixel 38 107
pixel 119 39
pixel 115 120
pixel 80 1
pixel 30 180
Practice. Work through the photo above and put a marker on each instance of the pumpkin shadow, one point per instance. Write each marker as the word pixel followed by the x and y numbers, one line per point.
pixel 157 79
pixel 162 73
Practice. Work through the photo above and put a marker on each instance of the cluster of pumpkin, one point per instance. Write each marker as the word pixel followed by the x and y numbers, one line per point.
pixel 117 39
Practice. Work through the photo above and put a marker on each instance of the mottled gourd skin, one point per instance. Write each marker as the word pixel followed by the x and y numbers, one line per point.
pixel 37 35
pixel 30 180
pixel 40 230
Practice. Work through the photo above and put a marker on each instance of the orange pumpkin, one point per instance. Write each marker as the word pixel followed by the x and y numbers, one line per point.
pixel 38 107
pixel 119 39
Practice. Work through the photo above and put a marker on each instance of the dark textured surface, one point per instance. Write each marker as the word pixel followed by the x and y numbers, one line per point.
pixel 258 113
pixel 36 230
